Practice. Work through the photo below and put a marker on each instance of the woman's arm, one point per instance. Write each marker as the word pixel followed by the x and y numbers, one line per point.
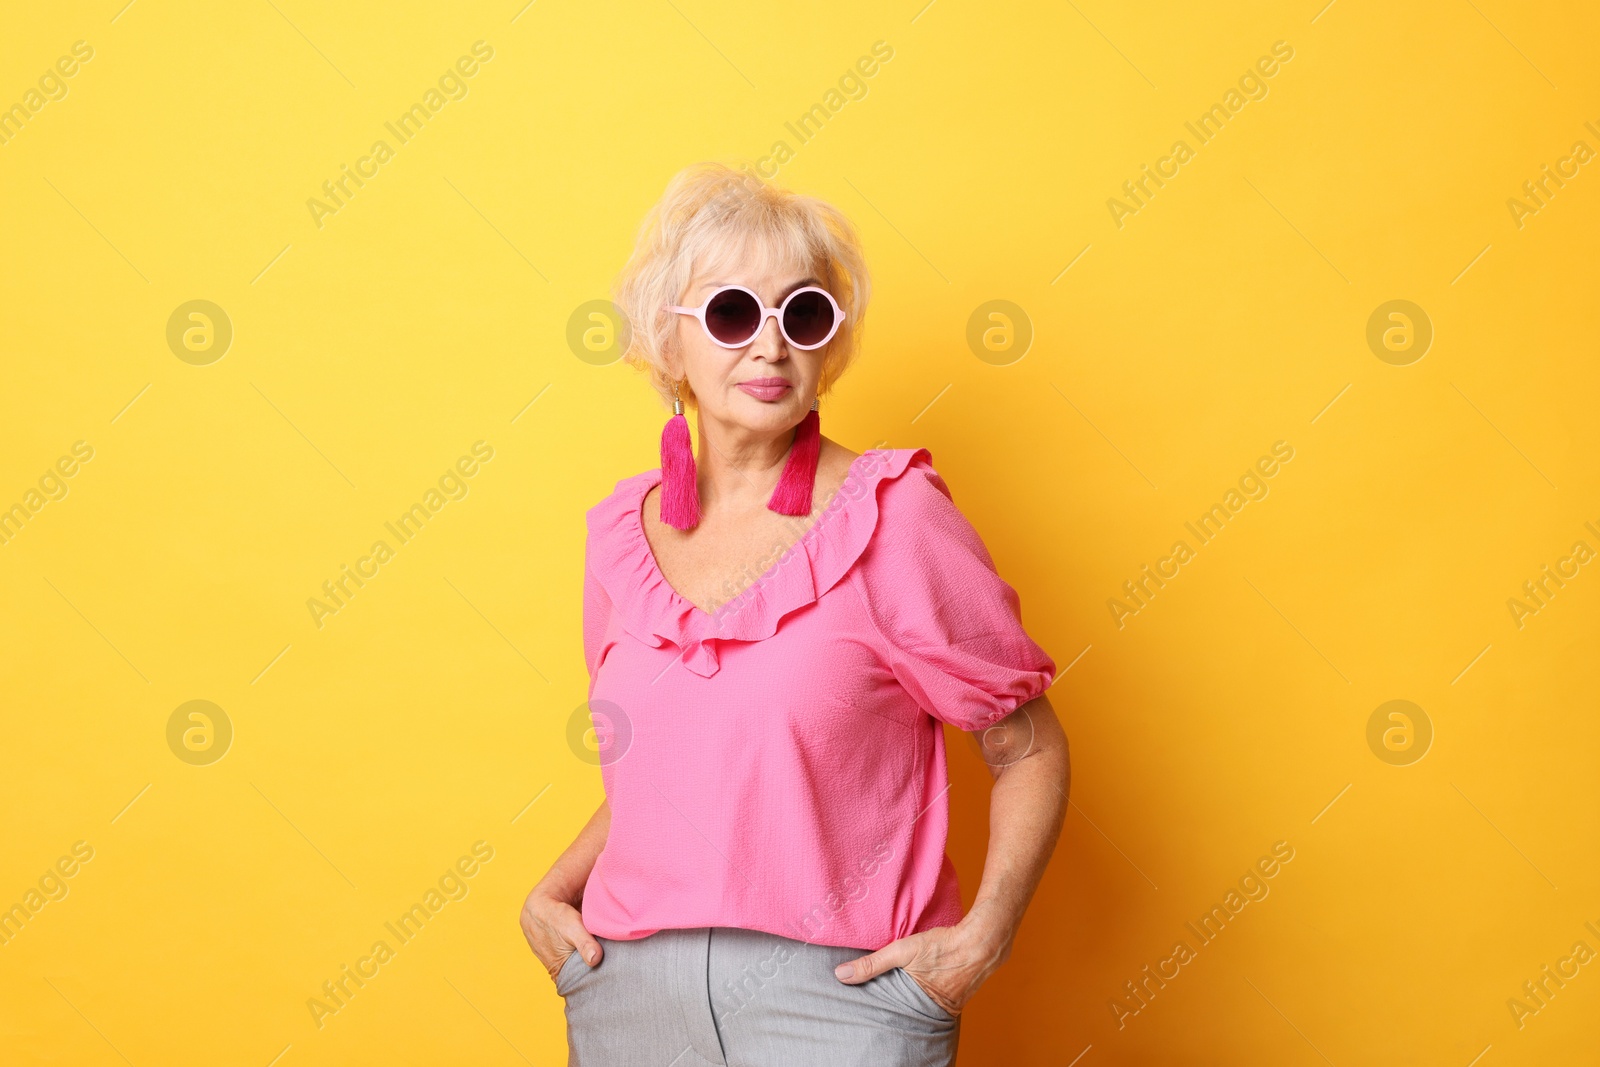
pixel 1027 755
pixel 550 917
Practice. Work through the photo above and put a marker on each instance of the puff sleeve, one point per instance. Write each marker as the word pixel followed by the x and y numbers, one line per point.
pixel 951 626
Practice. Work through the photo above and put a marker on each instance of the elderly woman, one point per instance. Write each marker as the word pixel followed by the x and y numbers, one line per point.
pixel 775 630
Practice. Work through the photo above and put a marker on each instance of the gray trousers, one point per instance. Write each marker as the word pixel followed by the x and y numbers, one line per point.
pixel 743 998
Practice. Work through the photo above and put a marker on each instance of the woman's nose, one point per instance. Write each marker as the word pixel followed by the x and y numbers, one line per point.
pixel 769 342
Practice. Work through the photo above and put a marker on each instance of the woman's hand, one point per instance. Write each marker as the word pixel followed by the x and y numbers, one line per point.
pixel 555 930
pixel 550 919
pixel 948 962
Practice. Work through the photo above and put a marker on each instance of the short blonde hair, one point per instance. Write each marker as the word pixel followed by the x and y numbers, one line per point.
pixel 709 206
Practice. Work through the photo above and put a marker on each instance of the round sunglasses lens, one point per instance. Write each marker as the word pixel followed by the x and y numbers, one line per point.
pixel 808 318
pixel 732 316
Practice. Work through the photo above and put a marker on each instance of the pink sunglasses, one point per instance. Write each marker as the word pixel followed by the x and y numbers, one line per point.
pixel 733 315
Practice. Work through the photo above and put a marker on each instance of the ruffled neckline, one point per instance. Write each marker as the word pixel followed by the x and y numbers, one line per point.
pixel 650 609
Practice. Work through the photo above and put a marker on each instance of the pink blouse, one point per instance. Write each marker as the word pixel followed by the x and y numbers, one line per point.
pixel 776 765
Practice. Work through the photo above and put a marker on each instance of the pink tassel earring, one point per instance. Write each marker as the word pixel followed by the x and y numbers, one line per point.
pixel 793 494
pixel 680 489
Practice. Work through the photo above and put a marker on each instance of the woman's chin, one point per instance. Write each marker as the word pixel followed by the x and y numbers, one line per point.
pixel 766 416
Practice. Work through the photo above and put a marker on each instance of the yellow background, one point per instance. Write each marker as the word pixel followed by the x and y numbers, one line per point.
pixel 368 354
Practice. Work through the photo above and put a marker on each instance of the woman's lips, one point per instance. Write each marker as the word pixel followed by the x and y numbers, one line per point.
pixel 766 388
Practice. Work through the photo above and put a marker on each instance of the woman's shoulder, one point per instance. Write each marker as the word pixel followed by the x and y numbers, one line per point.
pixel 918 521
pixel 908 485
pixel 834 460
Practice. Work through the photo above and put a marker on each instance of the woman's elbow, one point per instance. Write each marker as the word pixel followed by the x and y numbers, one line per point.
pixel 1031 736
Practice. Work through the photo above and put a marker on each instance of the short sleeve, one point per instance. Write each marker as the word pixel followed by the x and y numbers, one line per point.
pixel 952 627
pixel 596 617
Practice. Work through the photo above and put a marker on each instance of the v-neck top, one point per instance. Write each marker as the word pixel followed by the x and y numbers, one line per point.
pixel 778 764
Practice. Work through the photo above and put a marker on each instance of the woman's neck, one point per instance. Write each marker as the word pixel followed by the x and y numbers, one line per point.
pixel 736 468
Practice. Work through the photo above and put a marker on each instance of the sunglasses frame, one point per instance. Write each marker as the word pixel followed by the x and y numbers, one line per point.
pixel 766 313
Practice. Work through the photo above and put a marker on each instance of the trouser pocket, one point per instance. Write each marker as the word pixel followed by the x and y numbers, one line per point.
pixel 570 971
pixel 920 995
